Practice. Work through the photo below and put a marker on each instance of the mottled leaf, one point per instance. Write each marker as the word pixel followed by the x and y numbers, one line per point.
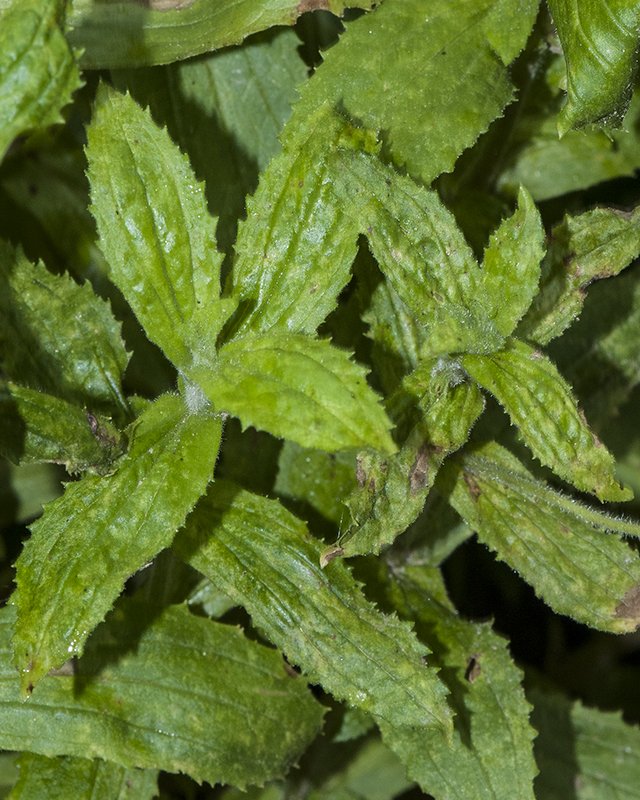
pixel 540 402
pixel 170 691
pixel 299 388
pixel 264 559
pixel 295 249
pixel 492 752
pixel 424 70
pixel 37 71
pixel 155 230
pixel 600 42
pixel 225 111
pixel 572 555
pixel 511 266
pixel 42 778
pixel 391 493
pixel 59 338
pixel 420 249
pixel 584 248
pixel 102 530
pixel 163 31
pixel 583 752
pixel 39 427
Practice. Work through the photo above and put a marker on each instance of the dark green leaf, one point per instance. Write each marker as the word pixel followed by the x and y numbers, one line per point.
pixel 425 68
pixel 225 111
pixel 264 559
pixel 163 31
pixel 155 230
pixel 572 555
pixel 299 388
pixel 43 778
pixel 492 753
pixel 295 249
pixel 59 338
pixel 25 489
pixel 37 71
pixel 583 752
pixel 540 402
pixel 170 691
pixel 511 266
pixel 584 248
pixel 104 529
pixel 39 427
pixel 600 42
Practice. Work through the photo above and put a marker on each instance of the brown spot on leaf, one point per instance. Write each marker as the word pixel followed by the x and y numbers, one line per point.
pixel 419 473
pixel 313 5
pixel 361 475
pixel 329 555
pixel 165 5
pixel 472 486
pixel 473 669
pixel 629 608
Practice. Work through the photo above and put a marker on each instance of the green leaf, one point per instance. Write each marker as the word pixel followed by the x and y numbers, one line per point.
pixel 37 71
pixel 155 230
pixel 492 748
pixel 59 338
pixel 417 68
pixel 420 249
pixel 104 529
pixel 170 691
pixel 391 493
pixel 225 111
pixel 323 479
pixel 572 555
pixel 42 778
pixel 39 427
pixel 295 249
pixel 299 388
pixel 264 559
pixel 511 266
pixel 584 248
pixel 132 35
pixel 583 752
pixel 541 404
pixel 599 41
pixel 24 490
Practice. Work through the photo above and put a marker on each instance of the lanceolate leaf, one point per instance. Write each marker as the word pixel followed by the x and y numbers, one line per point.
pixel 392 492
pixel 170 691
pixel 492 753
pixel 42 778
pixel 225 111
pixel 420 249
pixel 39 427
pixel 155 230
pixel 573 556
pixel 511 266
pixel 295 249
pixel 37 71
pixel 176 29
pixel 422 70
pixel 59 338
pixel 583 750
pixel 299 388
pixel 600 42
pixel 263 558
pixel 102 530
pixel 584 248
pixel 540 403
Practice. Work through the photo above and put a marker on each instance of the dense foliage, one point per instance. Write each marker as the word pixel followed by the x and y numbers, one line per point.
pixel 297 348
